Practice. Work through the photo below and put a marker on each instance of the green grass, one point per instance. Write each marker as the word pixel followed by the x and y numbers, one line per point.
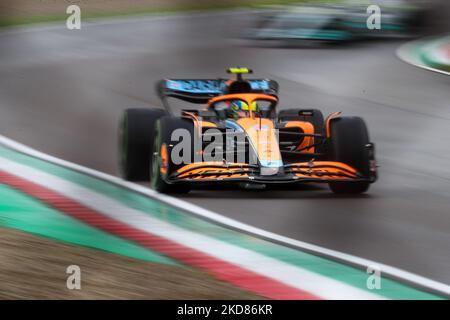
pixel 33 19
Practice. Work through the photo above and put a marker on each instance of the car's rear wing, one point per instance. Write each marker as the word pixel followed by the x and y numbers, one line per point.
pixel 201 90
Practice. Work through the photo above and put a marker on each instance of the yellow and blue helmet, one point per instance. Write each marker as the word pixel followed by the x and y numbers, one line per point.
pixel 240 109
pixel 242 106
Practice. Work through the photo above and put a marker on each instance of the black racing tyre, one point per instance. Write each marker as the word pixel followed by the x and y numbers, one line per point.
pixel 163 164
pixel 136 142
pixel 348 144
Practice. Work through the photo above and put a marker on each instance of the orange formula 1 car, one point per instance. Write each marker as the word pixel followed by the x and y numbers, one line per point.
pixel 239 137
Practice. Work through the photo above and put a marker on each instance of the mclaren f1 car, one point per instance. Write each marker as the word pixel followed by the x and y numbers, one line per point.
pixel 237 136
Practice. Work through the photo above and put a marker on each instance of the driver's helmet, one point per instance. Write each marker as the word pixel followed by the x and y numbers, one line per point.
pixel 240 109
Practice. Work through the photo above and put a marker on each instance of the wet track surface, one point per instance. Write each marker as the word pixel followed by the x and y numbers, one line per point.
pixel 62 92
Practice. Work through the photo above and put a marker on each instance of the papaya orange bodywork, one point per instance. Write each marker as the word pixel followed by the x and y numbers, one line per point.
pixel 262 135
pixel 212 167
pixel 307 128
pixel 332 116
pixel 164 159
pixel 318 170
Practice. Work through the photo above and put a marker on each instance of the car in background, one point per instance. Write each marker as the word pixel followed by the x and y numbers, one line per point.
pixel 341 22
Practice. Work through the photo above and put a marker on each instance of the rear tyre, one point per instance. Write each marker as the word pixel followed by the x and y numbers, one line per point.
pixel 136 142
pixel 348 144
pixel 163 165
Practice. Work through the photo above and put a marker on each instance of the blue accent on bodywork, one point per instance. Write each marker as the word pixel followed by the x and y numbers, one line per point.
pixel 210 86
pixel 259 84
pixel 230 124
pixel 271 163
pixel 195 86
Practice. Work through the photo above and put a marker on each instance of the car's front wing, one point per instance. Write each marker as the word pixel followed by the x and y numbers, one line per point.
pixel 219 172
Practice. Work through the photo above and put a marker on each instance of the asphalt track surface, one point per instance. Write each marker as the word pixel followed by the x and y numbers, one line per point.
pixel 62 92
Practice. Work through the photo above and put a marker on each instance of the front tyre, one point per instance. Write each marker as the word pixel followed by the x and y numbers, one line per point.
pixel 136 142
pixel 348 143
pixel 163 164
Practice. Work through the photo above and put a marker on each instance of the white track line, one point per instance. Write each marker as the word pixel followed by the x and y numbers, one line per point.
pixel 285 273
pixel 396 273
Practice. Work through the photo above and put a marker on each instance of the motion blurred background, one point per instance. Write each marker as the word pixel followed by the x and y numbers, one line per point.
pixel 431 15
